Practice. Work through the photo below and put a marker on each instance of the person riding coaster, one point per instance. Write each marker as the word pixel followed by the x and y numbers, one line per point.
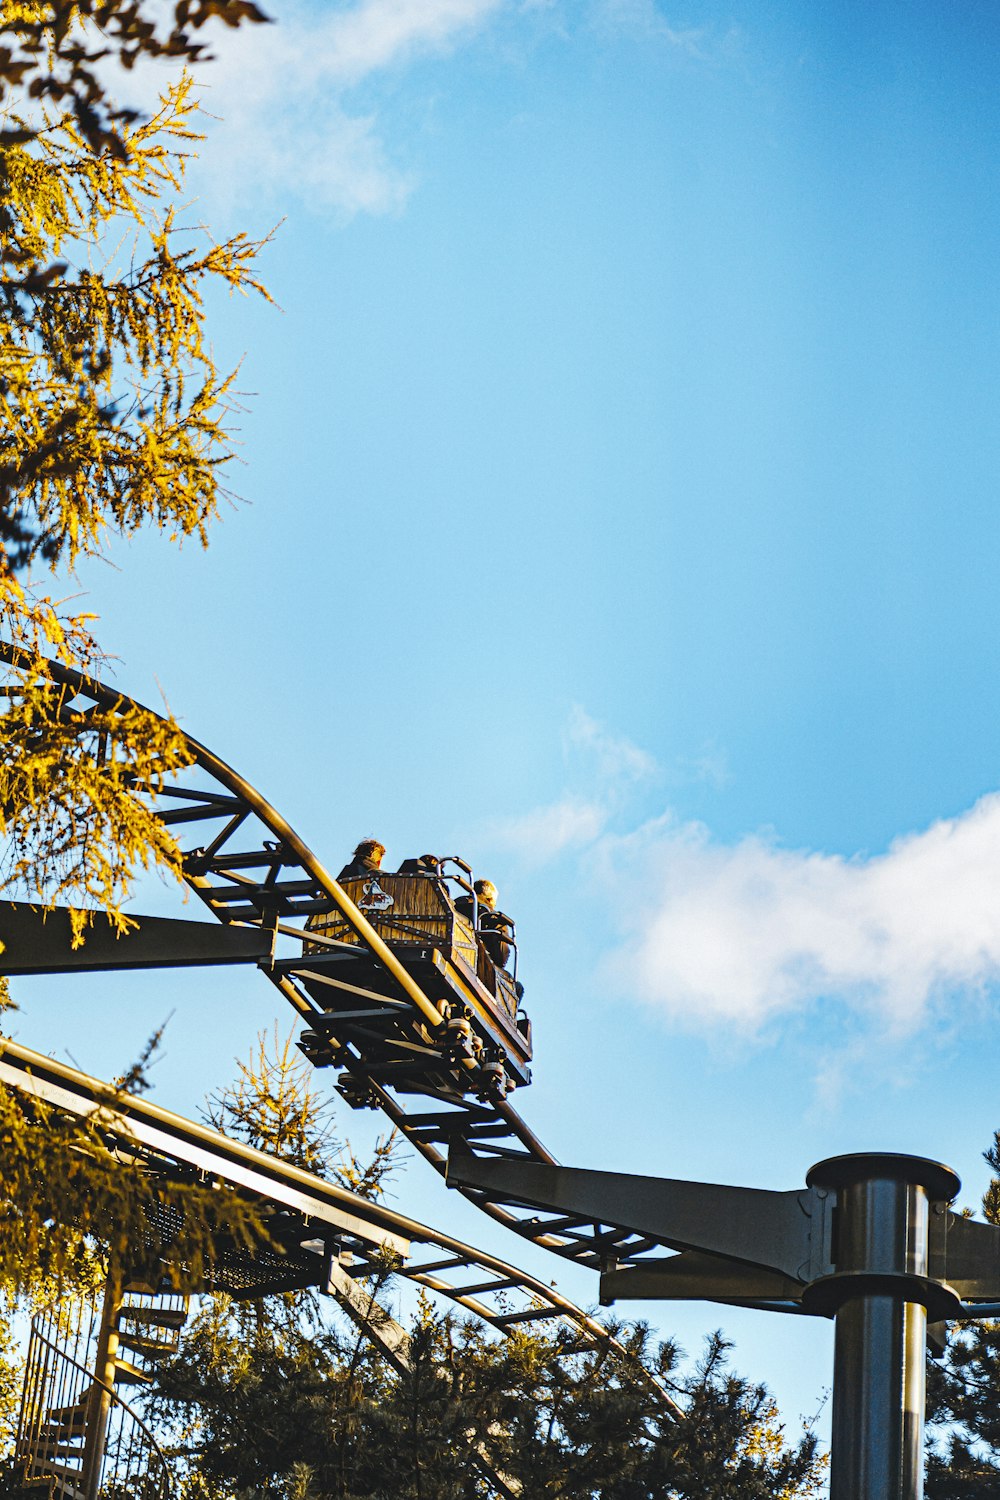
pixel 366 860
pixel 444 927
pixel 493 926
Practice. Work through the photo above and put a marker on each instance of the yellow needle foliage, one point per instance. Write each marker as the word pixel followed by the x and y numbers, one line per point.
pixel 112 412
pixel 52 1215
pixel 75 804
pixel 58 51
pixel 113 416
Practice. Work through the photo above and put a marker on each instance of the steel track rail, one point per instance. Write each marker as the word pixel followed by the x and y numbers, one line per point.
pixel 167 1145
pixel 250 868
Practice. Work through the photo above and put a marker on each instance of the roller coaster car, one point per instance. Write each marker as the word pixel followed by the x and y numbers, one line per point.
pixel 486 1046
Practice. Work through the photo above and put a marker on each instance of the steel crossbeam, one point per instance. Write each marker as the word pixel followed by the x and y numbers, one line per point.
pixel 869 1241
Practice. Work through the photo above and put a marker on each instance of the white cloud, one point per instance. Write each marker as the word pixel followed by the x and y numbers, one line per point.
pixel 711 766
pixel 604 768
pixel 546 832
pixel 615 758
pixel 643 18
pixel 282 95
pixel 721 934
pixel 286 96
pixel 379 33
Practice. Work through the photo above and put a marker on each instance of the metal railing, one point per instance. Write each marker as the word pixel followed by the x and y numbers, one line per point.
pixel 74 1429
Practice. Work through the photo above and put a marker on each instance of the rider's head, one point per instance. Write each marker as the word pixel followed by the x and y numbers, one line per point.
pixel 370 849
pixel 487 893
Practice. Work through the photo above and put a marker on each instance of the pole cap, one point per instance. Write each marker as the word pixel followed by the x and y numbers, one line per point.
pixel 941 1183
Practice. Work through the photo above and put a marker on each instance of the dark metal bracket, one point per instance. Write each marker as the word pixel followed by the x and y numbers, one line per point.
pixel 743 1230
pixel 40 941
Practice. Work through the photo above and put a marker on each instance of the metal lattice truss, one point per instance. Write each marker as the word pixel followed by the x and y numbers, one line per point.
pixel 393 1044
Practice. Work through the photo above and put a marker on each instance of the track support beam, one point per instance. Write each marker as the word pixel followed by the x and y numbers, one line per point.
pixel 37 940
pixel 870 1242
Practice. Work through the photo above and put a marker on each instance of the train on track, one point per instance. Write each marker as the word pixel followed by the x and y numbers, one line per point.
pixel 392 977
pixel 453 948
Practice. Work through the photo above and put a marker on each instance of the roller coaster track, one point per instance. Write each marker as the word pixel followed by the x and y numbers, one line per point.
pixel 320 1233
pixel 259 879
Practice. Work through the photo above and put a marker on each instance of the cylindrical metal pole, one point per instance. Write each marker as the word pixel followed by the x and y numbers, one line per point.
pixel 878 1400
pixel 878 1291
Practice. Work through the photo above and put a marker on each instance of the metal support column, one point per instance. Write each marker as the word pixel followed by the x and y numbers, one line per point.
pixel 871 1242
pixel 878 1400
pixel 879 1294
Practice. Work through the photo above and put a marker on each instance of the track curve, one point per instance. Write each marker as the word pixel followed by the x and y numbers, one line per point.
pixel 168 1144
pixel 250 867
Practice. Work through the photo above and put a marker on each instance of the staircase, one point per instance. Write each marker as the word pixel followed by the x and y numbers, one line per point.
pixel 78 1438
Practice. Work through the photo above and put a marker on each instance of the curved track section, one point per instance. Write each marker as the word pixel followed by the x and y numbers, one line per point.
pixel 251 869
pixel 306 1215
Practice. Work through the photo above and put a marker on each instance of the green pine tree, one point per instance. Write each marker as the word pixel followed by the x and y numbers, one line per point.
pixel 282 1397
pixel 964 1396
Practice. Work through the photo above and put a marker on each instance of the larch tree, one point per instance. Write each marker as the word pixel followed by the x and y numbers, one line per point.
pixel 113 415
pixel 113 418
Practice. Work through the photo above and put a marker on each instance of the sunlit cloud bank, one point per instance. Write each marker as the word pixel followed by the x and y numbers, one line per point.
pixel 303 108
pixel 743 932
pixel 285 94
pixel 717 935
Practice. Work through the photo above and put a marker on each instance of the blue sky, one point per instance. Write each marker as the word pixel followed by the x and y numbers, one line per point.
pixel 620 477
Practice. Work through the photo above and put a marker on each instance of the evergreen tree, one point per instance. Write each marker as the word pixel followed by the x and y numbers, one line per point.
pixel 113 415
pixel 964 1396
pixel 289 1405
pixel 274 1106
pixel 282 1397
